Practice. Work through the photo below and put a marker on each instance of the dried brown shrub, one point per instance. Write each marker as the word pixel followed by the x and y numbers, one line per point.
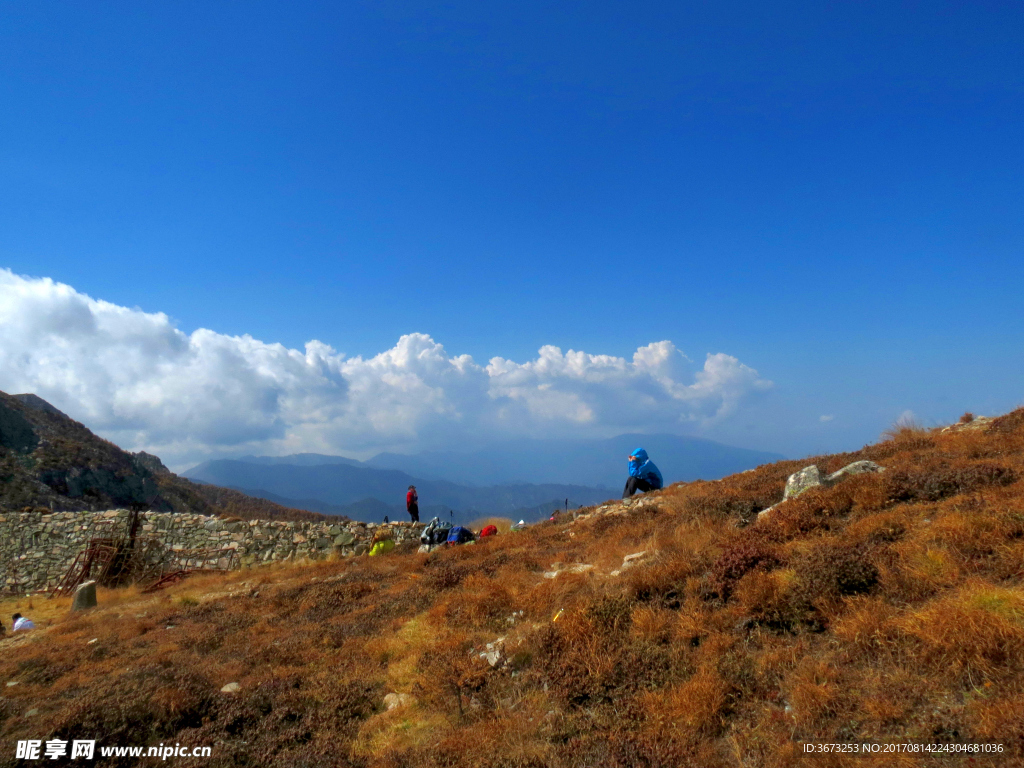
pixel 726 503
pixel 481 603
pixel 881 528
pixel 998 717
pixel 445 574
pixel 816 695
pixel 934 483
pixel 768 599
pixel 588 659
pixel 449 676
pixel 1008 423
pixel 739 560
pixel 869 626
pixel 610 615
pixel 815 510
pixel 836 569
pixel 127 708
pixel 661 580
pixel 653 624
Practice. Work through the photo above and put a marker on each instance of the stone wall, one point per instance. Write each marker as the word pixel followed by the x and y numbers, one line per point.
pixel 36 549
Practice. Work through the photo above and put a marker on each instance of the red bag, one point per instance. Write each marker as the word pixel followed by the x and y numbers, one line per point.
pixel 489 530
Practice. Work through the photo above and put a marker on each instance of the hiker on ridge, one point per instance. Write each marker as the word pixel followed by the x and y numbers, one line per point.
pixel 412 504
pixel 643 475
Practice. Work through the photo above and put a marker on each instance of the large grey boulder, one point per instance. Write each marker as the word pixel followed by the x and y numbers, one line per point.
pixel 856 468
pixel 85 596
pixel 798 482
pixel 810 477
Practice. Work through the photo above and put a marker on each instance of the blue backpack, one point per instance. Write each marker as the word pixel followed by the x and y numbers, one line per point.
pixel 459 535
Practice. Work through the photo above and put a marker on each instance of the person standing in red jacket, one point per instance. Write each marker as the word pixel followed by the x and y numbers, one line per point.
pixel 412 504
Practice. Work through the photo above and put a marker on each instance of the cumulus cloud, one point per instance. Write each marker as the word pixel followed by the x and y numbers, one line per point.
pixel 139 380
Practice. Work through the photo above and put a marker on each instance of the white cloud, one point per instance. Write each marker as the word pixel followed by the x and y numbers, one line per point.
pixel 140 381
pixel 826 418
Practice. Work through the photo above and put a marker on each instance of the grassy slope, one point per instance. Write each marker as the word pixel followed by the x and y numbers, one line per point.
pixel 886 607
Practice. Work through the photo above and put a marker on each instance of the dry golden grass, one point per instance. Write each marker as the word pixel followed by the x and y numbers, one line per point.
pixel 889 607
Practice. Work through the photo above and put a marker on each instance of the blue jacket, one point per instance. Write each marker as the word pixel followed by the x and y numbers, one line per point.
pixel 642 467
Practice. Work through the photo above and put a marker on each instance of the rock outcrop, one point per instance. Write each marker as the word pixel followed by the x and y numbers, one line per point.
pixel 85 597
pixel 151 463
pixel 975 422
pixel 798 482
pixel 810 477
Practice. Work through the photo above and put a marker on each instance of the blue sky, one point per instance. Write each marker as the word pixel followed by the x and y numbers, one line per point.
pixel 832 195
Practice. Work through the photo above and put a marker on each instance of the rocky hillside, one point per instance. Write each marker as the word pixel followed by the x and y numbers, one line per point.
pixel 686 628
pixel 49 460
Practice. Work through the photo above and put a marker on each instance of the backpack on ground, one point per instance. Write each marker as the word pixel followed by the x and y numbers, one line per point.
pixel 489 530
pixel 440 533
pixel 427 534
pixel 459 535
pixel 382 547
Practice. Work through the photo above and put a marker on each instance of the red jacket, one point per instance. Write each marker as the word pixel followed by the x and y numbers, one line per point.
pixel 411 498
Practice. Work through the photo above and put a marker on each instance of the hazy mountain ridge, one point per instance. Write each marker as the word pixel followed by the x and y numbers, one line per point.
pixel 591 463
pixel 525 478
pixel 302 460
pixel 355 489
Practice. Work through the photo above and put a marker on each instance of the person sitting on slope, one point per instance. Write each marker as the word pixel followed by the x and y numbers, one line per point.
pixel 643 475
pixel 20 622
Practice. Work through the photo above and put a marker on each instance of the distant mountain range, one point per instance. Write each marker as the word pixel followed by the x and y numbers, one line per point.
pixel 365 493
pixel 522 479
pixel 595 463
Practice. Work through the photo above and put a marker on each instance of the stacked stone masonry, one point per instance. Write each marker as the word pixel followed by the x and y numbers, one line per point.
pixel 36 548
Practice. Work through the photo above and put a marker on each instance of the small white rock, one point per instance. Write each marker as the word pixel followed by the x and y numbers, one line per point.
pixel 393 700
pixel 492 657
